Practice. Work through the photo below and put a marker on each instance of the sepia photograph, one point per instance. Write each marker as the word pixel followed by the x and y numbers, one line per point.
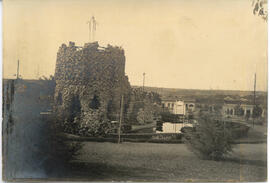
pixel 135 91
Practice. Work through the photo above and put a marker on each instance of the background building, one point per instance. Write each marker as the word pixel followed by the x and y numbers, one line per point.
pixel 179 106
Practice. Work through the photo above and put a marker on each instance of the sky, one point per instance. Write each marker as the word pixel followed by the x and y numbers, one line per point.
pixel 192 44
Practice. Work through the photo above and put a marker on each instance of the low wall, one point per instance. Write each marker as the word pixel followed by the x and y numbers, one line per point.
pixel 153 138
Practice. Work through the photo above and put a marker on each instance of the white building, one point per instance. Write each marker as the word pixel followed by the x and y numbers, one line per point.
pixel 230 109
pixel 242 107
pixel 179 107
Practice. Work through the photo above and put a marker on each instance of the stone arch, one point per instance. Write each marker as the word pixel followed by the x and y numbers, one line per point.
pixel 75 106
pixel 94 103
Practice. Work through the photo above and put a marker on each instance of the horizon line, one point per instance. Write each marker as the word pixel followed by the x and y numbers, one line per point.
pixel 171 87
pixel 203 89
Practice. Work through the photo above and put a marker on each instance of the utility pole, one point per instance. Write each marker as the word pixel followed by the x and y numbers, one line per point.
pixel 183 111
pixel 254 97
pixel 143 80
pixel 121 118
pixel 18 69
pixel 143 95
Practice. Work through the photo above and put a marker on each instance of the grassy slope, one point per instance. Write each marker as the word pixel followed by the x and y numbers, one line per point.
pixel 167 162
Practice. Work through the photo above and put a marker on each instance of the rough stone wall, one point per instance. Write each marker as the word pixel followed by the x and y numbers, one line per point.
pixel 86 73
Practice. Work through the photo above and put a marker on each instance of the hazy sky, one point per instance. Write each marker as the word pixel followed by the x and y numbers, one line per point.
pixel 197 44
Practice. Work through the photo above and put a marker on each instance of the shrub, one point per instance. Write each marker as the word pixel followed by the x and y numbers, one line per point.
pixel 257 112
pixel 159 126
pixel 145 116
pixel 126 128
pixel 187 129
pixel 93 125
pixel 169 117
pixel 237 130
pixel 210 139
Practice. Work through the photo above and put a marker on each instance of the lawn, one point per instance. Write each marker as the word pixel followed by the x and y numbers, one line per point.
pixel 256 134
pixel 166 162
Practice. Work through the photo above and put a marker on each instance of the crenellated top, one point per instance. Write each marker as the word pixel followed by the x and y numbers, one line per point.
pixel 89 64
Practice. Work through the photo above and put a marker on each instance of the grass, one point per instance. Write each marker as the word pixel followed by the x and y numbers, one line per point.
pixel 148 127
pixel 166 162
pixel 256 134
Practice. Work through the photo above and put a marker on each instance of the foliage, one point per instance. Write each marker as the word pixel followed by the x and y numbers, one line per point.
pixel 260 8
pixel 145 116
pixel 159 126
pixel 237 130
pixel 149 113
pixel 139 95
pixel 190 116
pixel 88 124
pixel 239 111
pixel 93 125
pixel 209 139
pixel 214 109
pixel 218 109
pixel 145 106
pixel 166 116
pixel 257 112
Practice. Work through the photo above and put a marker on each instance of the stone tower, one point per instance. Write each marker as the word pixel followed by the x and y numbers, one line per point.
pixel 89 82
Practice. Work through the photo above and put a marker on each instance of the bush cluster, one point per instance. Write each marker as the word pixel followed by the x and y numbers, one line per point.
pixel 169 117
pixel 210 139
pixel 87 125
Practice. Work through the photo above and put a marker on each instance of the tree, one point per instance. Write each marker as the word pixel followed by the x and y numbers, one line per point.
pixel 145 106
pixel 257 112
pixel 145 116
pixel 218 108
pixel 159 126
pixel 167 116
pixel 209 139
pixel 239 111
pixel 260 8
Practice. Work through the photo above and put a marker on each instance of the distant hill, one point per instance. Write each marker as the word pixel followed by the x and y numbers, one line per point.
pixel 214 96
pixel 191 92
